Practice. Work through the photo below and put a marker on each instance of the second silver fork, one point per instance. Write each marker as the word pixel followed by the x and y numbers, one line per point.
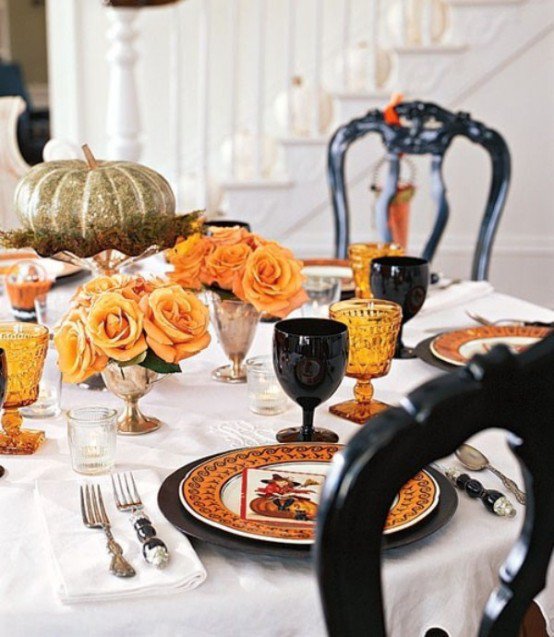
pixel 127 499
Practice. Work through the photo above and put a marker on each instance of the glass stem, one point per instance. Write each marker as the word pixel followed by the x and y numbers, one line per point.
pixel 11 421
pixel 236 366
pixel 307 430
pixel 363 391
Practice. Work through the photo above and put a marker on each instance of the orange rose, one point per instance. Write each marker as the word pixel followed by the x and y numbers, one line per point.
pixel 272 281
pixel 227 236
pixel 89 291
pixel 137 287
pixel 224 263
pixel 176 323
pixel 188 259
pixel 78 358
pixel 255 241
pixel 115 324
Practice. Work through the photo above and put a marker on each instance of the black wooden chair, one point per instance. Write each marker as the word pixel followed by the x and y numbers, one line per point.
pixel 426 129
pixel 499 389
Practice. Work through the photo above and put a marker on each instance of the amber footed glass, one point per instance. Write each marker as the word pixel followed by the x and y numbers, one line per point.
pixel 25 346
pixel 372 329
pixel 361 255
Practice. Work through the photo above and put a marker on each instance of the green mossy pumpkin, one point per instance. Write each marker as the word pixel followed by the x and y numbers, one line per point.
pixel 88 208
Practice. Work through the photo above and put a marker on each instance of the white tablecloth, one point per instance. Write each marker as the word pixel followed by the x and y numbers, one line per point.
pixel 442 581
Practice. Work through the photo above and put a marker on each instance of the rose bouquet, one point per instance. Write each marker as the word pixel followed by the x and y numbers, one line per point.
pixel 233 261
pixel 130 320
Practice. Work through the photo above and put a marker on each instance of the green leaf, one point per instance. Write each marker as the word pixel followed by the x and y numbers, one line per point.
pixel 156 364
pixel 134 361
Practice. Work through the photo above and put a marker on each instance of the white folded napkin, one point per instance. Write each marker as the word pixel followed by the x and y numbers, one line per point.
pixel 457 294
pixel 80 555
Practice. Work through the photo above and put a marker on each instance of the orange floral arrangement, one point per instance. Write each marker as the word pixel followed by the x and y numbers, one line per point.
pixel 233 260
pixel 132 321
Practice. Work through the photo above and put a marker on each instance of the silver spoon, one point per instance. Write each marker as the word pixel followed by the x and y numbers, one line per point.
pixel 474 460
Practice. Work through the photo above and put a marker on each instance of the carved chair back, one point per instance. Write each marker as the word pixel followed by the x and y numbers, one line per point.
pixel 499 389
pixel 425 129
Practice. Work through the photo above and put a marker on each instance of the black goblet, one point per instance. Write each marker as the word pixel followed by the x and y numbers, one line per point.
pixel 403 280
pixel 309 357
pixel 228 223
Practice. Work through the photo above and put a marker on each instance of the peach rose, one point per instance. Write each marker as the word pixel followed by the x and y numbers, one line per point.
pixel 224 263
pixel 115 324
pixel 89 291
pixel 137 287
pixel 256 241
pixel 227 236
pixel 78 358
pixel 188 259
pixel 176 323
pixel 272 281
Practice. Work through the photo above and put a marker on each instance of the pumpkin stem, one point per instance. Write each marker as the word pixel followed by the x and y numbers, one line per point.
pixel 91 159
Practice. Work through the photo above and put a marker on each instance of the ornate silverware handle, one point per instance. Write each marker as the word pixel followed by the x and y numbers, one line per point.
pixel 510 485
pixel 119 566
pixel 154 550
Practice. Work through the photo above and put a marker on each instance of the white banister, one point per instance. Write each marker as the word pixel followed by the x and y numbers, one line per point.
pixel 318 55
pixel 234 28
pixel 374 18
pixel 260 88
pixel 203 101
pixel 175 99
pixel 123 118
pixel 346 27
pixel 290 39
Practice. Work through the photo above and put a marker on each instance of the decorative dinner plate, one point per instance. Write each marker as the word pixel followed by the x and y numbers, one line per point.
pixel 332 268
pixel 457 348
pixel 212 491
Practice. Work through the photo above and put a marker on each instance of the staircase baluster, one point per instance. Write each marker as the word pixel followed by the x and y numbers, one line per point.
pixel 234 36
pixel 260 86
pixel 426 22
pixel 346 36
pixel 374 14
pixel 290 63
pixel 318 54
pixel 175 99
pixel 203 100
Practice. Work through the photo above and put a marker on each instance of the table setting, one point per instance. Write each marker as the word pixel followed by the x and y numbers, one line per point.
pixel 182 493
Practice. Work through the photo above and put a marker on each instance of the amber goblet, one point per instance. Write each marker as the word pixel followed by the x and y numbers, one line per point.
pixel 361 255
pixel 373 327
pixel 25 346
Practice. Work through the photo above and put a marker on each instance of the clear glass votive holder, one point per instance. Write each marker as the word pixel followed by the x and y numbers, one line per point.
pixel 92 435
pixel 265 395
pixel 48 404
pixel 322 293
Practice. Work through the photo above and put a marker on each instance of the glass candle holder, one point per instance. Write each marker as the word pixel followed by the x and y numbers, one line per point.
pixel 322 292
pixel 48 403
pixel 361 255
pixel 92 435
pixel 265 395
pixel 25 281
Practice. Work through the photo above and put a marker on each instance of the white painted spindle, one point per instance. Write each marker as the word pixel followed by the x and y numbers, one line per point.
pixel 374 17
pixel 234 30
pixel 346 27
pixel 260 88
pixel 290 64
pixel 176 97
pixel 123 119
pixel 403 22
pixel 318 79
pixel 203 101
pixel 426 22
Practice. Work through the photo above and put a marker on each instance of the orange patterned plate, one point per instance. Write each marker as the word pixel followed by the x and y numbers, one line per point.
pixel 211 492
pixel 459 347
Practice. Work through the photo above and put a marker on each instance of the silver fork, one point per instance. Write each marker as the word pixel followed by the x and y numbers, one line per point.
pixel 95 517
pixel 127 499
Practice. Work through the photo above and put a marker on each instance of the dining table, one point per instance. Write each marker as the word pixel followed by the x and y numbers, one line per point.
pixel 442 581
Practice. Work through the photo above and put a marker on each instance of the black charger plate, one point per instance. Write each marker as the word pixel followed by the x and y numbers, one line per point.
pixel 171 507
pixel 423 351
